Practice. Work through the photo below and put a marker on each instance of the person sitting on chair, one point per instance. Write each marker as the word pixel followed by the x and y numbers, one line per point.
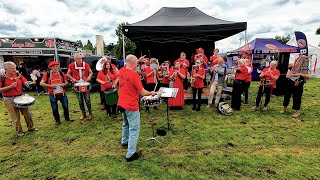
pixel 269 76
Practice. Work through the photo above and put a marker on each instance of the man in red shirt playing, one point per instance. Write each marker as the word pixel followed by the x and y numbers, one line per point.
pixel 55 81
pixel 11 87
pixel 79 71
pixel 130 89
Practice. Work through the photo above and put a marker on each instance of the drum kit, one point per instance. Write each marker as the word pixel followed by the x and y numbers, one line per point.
pixel 23 101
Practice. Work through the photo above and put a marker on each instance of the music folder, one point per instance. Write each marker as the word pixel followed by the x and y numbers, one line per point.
pixel 168 92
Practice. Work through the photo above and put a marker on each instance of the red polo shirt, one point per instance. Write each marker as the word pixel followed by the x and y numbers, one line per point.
pixel 129 91
pixel 243 74
pixel 151 78
pixel 75 72
pixel 249 74
pixel 186 62
pixel 103 77
pixel 274 72
pixel 213 60
pixel 198 83
pixel 14 91
pixel 55 78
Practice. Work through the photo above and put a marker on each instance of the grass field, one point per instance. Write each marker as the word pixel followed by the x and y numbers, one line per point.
pixel 205 145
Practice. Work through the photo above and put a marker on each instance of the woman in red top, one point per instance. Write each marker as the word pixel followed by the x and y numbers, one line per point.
pixel 108 81
pixel 11 87
pixel 247 81
pixel 269 76
pixel 177 75
pixel 213 61
pixel 185 64
pixel 240 77
pixel 165 74
pixel 197 75
pixel 152 77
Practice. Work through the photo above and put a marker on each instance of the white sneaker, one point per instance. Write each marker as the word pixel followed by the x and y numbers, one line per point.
pixel 20 134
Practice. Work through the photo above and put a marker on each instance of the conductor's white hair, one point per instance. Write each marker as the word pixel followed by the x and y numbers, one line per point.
pixel 8 64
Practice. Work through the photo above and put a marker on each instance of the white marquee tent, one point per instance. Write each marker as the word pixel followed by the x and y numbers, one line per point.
pixel 314 52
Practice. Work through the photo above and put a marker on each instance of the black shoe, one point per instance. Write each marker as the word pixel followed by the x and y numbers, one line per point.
pixel 194 107
pixel 58 122
pixel 124 145
pixel 135 156
pixel 246 102
pixel 69 120
pixel 198 109
pixel 155 107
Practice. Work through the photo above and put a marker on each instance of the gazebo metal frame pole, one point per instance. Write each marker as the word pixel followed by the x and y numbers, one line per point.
pixel 123 49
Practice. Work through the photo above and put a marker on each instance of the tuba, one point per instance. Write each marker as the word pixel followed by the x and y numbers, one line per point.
pixel 100 63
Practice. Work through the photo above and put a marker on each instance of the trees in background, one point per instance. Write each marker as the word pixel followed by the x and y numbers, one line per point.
pixel 114 50
pixel 283 39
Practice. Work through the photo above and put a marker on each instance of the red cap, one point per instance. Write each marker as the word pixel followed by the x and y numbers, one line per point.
pixel 52 63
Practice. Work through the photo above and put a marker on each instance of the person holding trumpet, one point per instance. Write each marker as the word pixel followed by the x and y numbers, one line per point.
pixel 177 75
pixel 197 84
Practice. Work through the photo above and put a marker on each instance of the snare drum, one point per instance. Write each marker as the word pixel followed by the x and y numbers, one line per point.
pixel 23 101
pixel 111 96
pixel 82 87
pixel 151 101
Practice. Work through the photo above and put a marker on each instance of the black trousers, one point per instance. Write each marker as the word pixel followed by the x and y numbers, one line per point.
pixel 112 109
pixel 102 98
pixel 246 86
pixel 263 89
pixel 194 93
pixel 236 94
pixel 296 93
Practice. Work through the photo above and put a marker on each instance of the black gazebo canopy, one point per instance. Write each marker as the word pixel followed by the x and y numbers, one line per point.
pixel 171 30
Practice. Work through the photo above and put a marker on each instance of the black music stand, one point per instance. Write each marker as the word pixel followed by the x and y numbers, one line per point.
pixel 168 93
pixel 152 126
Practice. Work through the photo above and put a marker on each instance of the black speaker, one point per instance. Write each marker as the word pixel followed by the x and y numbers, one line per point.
pixel 282 82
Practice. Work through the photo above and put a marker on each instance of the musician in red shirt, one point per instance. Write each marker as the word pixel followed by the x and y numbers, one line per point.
pixel 240 76
pixel 177 75
pixel 213 61
pixel 11 87
pixel 130 89
pixel 80 71
pixel 247 81
pixel 197 84
pixel 56 81
pixel 108 80
pixel 165 74
pixel 185 64
pixel 152 77
pixel 269 76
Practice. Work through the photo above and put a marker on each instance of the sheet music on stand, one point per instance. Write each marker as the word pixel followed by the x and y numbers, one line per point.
pixel 168 92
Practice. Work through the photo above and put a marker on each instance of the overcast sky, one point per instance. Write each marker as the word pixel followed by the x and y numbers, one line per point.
pixel 80 19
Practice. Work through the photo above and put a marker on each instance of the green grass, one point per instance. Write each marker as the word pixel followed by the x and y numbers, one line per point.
pixel 205 145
